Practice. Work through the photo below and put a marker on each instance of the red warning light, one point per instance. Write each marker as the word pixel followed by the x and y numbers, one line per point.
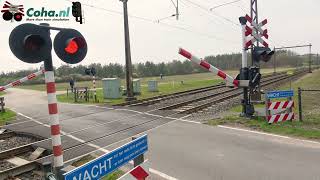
pixel 18 16
pixel 72 47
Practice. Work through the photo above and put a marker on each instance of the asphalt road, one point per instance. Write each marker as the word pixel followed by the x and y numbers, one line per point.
pixel 183 150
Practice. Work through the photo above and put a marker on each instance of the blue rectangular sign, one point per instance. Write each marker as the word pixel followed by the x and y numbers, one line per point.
pixel 279 94
pixel 109 162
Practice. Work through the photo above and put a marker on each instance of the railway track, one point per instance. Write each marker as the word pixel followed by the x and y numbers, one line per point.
pixel 205 102
pixel 184 102
pixel 157 99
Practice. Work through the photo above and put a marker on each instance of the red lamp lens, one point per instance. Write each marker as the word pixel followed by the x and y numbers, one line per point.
pixel 72 47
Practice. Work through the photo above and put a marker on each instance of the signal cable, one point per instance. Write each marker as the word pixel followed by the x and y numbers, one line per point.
pixel 155 22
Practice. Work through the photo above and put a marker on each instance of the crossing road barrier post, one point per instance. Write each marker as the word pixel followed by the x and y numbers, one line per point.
pixel 138 160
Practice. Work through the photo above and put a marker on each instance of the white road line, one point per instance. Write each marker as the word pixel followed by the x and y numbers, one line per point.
pixel 268 134
pixel 46 125
pixel 130 110
pixel 163 175
pixel 64 133
pixel 186 116
pixel 177 119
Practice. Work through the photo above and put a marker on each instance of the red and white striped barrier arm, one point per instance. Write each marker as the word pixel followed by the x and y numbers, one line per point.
pixel 140 172
pixel 209 67
pixel 20 81
pixel 54 119
pixel 280 105
pixel 280 117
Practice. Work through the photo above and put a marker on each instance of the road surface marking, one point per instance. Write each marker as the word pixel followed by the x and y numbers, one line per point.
pixel 46 125
pixel 268 134
pixel 176 119
pixel 103 149
pixel 161 174
pixel 64 133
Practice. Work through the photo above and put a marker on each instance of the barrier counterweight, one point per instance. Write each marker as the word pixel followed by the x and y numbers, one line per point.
pixel 53 117
pixel 209 67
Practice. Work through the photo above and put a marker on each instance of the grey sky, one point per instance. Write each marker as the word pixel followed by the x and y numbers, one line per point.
pixel 291 22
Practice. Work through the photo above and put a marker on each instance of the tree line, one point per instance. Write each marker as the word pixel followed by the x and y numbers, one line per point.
pixel 149 68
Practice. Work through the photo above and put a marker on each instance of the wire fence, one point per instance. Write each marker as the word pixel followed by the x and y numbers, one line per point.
pixel 300 99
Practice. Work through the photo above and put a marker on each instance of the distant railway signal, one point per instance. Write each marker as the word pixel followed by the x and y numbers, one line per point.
pixel 77 11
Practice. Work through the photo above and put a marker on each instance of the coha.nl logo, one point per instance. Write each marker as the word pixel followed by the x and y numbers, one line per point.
pixel 31 12
pixel 16 12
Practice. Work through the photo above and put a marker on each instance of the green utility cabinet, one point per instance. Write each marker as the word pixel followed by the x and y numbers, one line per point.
pixel 136 86
pixel 111 88
pixel 153 86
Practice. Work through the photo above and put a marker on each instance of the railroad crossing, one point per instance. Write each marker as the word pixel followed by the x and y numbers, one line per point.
pixel 60 135
pixel 188 146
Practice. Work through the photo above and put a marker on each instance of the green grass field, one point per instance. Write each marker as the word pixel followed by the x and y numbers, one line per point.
pixel 6 116
pixel 309 128
pixel 167 79
pixel 164 88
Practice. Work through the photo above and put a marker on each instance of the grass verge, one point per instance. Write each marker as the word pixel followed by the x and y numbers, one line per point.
pixel 309 128
pixel 6 116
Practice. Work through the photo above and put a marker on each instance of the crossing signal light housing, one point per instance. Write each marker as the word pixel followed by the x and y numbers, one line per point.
pixel 30 43
pixel 262 54
pixel 87 71
pixel 70 46
pixel 90 71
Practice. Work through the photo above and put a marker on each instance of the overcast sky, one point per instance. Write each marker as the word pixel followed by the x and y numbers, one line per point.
pixel 290 22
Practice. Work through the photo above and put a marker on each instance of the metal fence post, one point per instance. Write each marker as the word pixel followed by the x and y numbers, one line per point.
pixel 75 91
pixel 268 112
pixel 138 160
pixel 290 110
pixel 300 103
pixel 86 94
pixel 2 104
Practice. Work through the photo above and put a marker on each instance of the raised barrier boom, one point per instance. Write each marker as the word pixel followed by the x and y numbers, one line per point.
pixel 208 66
pixel 20 81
